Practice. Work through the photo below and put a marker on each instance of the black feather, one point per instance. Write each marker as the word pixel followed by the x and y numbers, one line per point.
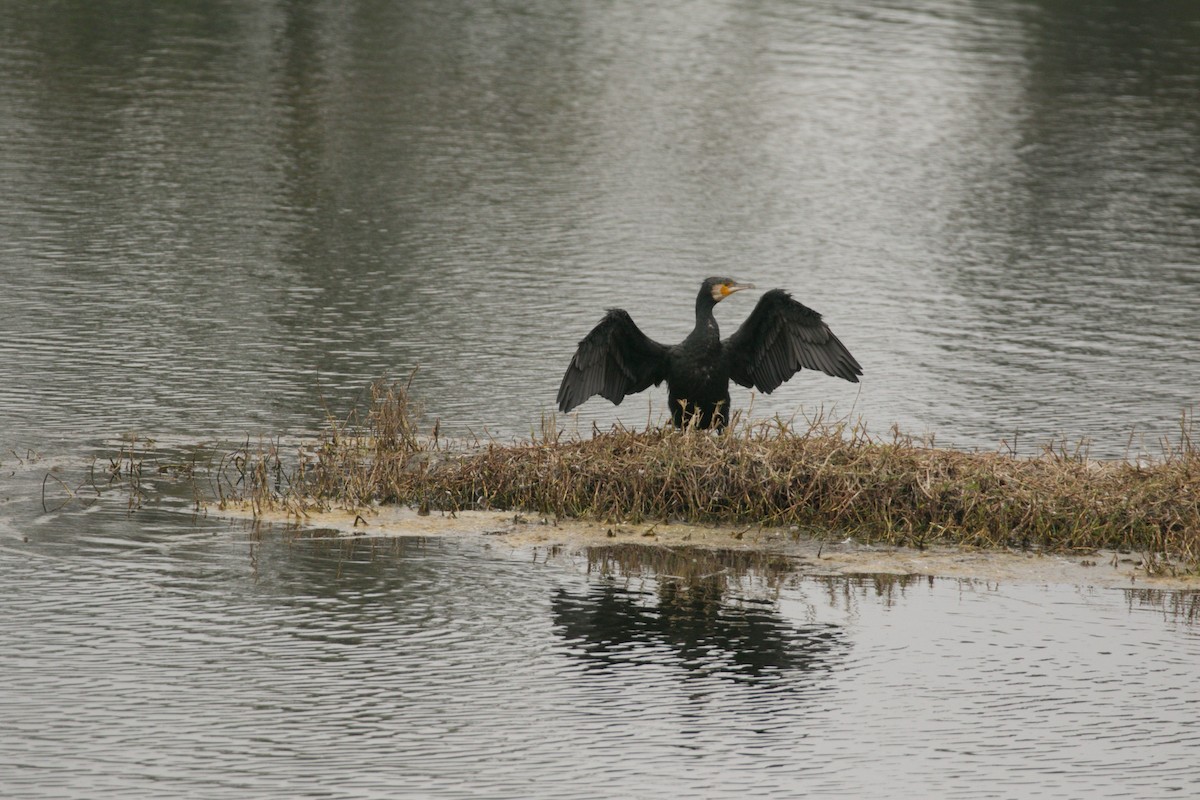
pixel 614 360
pixel 798 338
pixel 779 338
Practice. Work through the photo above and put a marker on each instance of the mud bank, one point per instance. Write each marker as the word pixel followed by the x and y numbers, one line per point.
pixel 809 556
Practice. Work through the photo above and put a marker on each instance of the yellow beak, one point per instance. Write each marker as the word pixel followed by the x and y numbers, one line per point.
pixel 729 288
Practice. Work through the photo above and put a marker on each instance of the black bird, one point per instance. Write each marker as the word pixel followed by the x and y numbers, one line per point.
pixel 779 338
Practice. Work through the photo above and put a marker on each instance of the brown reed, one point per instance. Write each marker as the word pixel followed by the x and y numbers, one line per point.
pixel 823 478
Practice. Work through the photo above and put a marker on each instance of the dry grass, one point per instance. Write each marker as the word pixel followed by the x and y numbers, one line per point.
pixel 823 478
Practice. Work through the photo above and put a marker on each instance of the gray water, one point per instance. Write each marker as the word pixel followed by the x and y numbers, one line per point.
pixel 222 221
pixel 189 661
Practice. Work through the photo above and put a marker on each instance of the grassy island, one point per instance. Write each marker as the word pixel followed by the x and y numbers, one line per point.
pixel 824 479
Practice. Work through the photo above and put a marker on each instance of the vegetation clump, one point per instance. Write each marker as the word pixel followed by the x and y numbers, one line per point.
pixel 823 479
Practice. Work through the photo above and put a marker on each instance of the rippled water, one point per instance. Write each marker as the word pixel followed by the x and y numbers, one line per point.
pixel 217 213
pixel 203 664
pixel 222 220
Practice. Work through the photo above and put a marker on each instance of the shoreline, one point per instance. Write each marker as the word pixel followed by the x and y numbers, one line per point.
pixel 828 480
pixel 810 557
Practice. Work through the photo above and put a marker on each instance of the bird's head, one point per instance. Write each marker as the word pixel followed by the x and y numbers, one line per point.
pixel 720 288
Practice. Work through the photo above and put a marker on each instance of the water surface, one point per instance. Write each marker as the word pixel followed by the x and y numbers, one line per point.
pixel 213 664
pixel 217 214
pixel 221 221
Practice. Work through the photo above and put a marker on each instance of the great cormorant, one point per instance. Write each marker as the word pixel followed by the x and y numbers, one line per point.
pixel 779 338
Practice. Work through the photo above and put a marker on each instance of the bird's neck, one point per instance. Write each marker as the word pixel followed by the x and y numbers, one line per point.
pixel 706 322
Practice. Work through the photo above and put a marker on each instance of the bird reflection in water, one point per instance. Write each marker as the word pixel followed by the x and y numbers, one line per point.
pixel 697 612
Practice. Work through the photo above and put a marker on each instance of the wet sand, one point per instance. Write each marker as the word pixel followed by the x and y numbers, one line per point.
pixel 812 557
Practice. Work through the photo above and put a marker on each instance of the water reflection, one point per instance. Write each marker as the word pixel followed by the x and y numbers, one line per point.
pixel 696 613
pixel 1181 606
pixel 199 651
pixel 886 589
pixel 611 626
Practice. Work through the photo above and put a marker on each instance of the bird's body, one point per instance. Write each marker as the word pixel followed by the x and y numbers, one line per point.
pixel 697 381
pixel 778 339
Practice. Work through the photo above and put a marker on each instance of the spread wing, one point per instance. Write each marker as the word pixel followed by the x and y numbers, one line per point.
pixel 614 360
pixel 780 337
